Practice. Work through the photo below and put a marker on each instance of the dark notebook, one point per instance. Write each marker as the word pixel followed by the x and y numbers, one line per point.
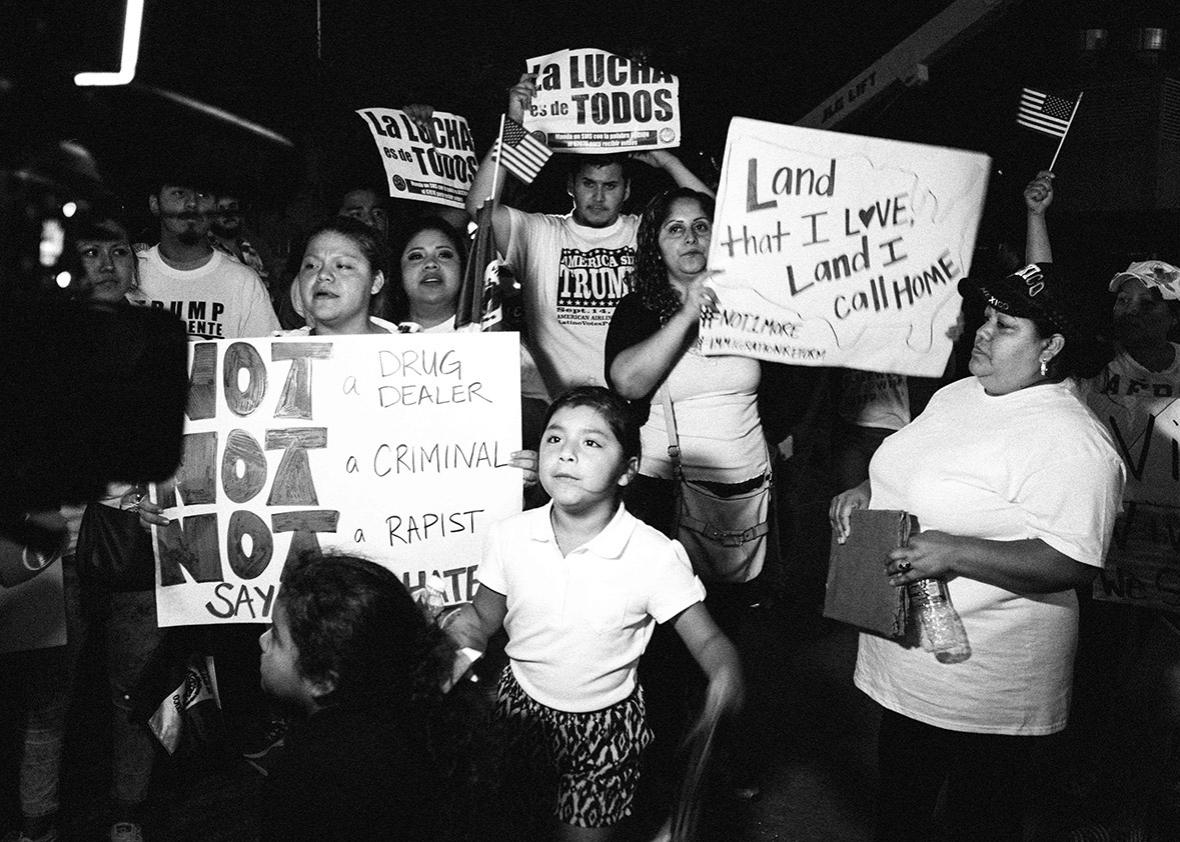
pixel 858 591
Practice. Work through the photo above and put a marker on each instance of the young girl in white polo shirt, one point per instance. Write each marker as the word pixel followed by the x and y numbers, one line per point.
pixel 578 585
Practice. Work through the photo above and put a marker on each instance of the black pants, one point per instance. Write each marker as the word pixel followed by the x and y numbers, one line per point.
pixel 986 778
pixel 671 678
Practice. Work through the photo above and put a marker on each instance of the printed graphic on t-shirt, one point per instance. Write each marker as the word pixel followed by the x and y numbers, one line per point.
pixel 869 387
pixel 202 319
pixel 1117 385
pixel 590 284
pixel 1142 411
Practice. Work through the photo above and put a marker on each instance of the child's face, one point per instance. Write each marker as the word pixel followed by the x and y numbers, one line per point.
pixel 281 677
pixel 581 461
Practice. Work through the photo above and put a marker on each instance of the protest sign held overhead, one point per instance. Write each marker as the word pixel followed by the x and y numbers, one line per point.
pixel 392 447
pixel 840 250
pixel 596 102
pixel 436 169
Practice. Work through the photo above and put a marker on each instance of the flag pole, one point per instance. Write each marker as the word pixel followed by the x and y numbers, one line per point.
pixel 1061 143
pixel 500 151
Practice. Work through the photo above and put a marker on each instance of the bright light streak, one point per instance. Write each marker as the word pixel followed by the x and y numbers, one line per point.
pixel 220 114
pixel 132 27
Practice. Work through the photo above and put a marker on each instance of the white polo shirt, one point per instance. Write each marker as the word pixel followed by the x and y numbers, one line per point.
pixel 577 624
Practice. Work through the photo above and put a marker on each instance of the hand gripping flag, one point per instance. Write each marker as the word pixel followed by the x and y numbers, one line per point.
pixel 481 299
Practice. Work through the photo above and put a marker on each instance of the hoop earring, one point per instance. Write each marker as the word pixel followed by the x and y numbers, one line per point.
pixel 1044 367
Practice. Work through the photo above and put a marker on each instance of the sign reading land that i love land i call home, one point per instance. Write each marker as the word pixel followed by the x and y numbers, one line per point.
pixel 392 447
pixel 438 169
pixel 839 250
pixel 596 102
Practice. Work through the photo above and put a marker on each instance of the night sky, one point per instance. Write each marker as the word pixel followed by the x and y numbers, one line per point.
pixel 771 61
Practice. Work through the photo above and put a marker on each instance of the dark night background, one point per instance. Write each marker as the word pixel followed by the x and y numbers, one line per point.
pixel 1119 176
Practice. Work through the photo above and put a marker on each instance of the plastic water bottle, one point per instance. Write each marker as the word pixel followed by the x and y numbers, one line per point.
pixel 941 627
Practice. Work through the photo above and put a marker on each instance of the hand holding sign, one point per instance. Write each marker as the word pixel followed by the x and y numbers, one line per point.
pixel 520 96
pixel 422 116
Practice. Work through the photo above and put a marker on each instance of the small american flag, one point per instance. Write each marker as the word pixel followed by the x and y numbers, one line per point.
pixel 1045 113
pixel 521 153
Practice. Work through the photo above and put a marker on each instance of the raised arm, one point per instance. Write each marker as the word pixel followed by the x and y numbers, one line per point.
pixel 1037 198
pixel 681 175
pixel 636 371
pixel 520 96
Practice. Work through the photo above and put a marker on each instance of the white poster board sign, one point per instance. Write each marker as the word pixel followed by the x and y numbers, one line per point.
pixel 391 447
pixel 439 170
pixel 839 250
pixel 596 102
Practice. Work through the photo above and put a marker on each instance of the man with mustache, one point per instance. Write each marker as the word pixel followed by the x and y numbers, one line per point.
pixel 573 267
pixel 227 233
pixel 214 295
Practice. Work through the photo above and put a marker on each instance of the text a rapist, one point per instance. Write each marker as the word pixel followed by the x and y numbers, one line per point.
pixel 372 445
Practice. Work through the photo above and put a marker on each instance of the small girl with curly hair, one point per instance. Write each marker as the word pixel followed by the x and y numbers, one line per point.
pixel 378 745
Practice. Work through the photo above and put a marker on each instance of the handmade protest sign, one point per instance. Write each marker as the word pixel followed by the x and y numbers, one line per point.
pixel 392 447
pixel 839 250
pixel 1142 411
pixel 438 170
pixel 596 102
pixel 32 603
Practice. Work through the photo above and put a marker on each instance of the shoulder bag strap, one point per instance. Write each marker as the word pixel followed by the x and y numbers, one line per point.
pixel 673 434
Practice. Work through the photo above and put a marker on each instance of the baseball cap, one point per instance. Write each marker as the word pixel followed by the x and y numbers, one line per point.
pixel 1154 274
pixel 1034 292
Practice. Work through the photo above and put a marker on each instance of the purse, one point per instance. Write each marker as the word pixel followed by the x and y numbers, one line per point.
pixel 726 537
pixel 114 552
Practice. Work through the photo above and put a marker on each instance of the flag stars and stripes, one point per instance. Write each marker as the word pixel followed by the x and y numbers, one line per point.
pixel 1044 112
pixel 520 152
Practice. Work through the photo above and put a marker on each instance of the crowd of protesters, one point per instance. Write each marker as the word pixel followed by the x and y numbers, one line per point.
pixel 621 644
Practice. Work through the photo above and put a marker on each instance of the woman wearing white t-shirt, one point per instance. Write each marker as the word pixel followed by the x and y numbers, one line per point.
pixel 1015 485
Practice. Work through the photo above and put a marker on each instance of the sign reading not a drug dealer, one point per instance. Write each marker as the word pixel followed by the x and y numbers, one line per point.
pixel 394 448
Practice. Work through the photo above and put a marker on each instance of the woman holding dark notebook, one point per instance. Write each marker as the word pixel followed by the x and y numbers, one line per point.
pixel 1015 486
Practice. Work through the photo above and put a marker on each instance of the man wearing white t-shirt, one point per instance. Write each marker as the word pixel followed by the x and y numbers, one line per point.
pixel 573 267
pixel 215 296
